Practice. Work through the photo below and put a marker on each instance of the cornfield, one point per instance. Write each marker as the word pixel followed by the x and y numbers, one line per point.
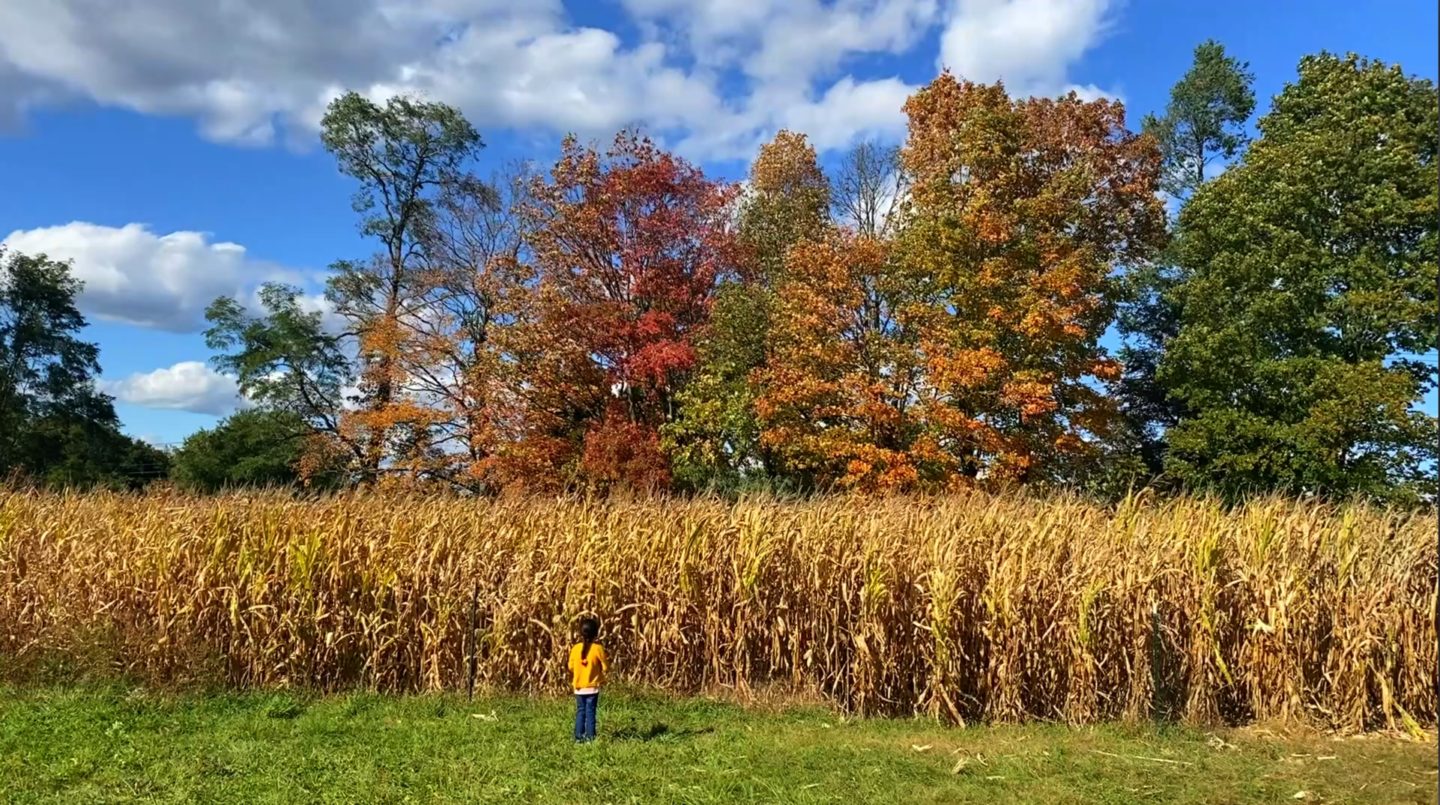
pixel 966 608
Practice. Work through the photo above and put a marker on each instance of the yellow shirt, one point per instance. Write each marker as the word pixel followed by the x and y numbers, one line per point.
pixel 589 672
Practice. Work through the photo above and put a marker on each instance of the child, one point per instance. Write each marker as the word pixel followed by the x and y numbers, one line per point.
pixel 587 672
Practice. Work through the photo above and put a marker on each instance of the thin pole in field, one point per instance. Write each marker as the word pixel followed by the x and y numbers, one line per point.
pixel 474 603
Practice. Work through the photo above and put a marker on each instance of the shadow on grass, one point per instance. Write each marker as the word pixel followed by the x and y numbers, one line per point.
pixel 655 731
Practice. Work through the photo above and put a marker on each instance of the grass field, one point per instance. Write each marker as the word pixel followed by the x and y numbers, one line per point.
pixel 88 744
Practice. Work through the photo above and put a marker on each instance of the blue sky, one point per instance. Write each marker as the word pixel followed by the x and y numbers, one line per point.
pixel 168 147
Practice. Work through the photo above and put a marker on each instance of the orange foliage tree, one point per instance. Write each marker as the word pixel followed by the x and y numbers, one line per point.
pixel 1019 213
pixel 715 441
pixel 404 154
pixel 478 292
pixel 838 390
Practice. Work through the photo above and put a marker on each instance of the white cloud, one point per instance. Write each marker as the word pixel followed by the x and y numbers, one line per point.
pixel 1029 44
pixel 787 41
pixel 186 386
pixel 251 69
pixel 848 109
pixel 717 76
pixel 135 276
pixel 787 52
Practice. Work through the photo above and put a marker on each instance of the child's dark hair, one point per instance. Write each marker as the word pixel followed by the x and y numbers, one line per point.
pixel 589 630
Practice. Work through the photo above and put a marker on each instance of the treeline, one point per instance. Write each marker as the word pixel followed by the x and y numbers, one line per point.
pixel 921 318
pixel 56 428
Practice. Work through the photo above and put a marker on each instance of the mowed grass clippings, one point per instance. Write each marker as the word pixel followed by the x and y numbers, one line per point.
pixel 91 744
pixel 973 608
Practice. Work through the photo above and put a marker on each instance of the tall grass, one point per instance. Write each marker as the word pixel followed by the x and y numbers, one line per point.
pixel 965 608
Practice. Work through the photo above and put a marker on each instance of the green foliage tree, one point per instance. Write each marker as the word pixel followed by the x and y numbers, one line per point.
pixel 284 359
pixel 78 450
pixel 55 426
pixel 1204 121
pixel 1309 293
pixel 715 441
pixel 257 447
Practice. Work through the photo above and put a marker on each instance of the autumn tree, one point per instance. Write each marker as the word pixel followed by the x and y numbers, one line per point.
pixel 1203 123
pixel 715 439
pixel 839 388
pixel 1019 213
pixel 411 160
pixel 406 154
pixel 629 245
pixel 477 279
pixel 786 203
pixel 1308 295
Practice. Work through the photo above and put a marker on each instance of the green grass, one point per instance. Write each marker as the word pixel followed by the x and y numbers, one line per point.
pixel 85 744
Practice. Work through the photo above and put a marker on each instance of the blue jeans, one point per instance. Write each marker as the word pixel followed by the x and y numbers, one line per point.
pixel 585 716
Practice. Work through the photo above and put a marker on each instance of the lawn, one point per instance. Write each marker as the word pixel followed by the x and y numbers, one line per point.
pixel 91 745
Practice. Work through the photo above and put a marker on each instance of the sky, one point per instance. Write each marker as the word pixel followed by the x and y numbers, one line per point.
pixel 169 148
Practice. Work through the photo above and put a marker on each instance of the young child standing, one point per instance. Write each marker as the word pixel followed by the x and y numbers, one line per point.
pixel 588 665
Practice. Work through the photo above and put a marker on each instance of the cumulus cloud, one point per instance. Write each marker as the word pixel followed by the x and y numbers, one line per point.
pixel 249 69
pixel 786 41
pixel 786 54
pixel 1030 44
pixel 136 276
pixel 850 108
pixel 187 386
pixel 714 75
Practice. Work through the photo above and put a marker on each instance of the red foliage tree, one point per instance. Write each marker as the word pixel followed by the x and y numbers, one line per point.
pixel 629 245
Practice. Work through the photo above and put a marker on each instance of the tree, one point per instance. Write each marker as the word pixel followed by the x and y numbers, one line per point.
pixel 55 426
pixel 629 246
pixel 44 368
pixel 481 277
pixel 871 189
pixel 843 371
pixel 257 447
pixel 1019 213
pixel 715 439
pixel 1309 295
pixel 404 154
pixel 286 361
pixel 76 450
pixel 402 354
pixel 1204 121
pixel 786 204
